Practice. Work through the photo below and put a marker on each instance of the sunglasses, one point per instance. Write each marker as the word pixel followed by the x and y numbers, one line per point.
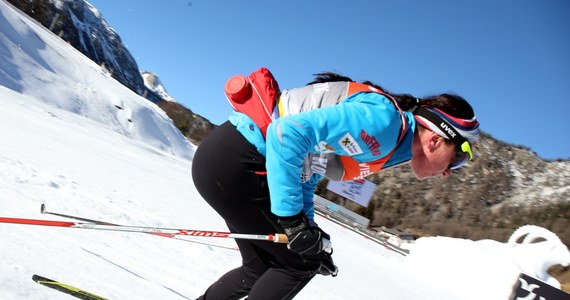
pixel 462 156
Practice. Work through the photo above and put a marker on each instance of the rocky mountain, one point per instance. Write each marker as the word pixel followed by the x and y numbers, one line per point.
pixel 153 83
pixel 83 27
pixel 193 126
pixel 505 187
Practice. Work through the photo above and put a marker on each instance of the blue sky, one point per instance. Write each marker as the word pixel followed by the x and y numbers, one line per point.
pixel 510 58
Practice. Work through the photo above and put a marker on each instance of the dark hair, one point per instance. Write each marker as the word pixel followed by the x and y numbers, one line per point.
pixel 329 77
pixel 451 104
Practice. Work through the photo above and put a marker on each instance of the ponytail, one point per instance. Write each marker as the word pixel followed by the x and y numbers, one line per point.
pixel 406 102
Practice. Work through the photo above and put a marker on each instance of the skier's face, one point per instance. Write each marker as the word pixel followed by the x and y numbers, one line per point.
pixel 431 155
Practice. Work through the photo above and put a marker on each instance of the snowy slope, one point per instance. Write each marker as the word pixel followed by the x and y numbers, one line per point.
pixel 66 141
pixel 36 63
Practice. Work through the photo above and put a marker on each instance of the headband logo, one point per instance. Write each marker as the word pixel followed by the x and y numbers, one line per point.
pixel 448 130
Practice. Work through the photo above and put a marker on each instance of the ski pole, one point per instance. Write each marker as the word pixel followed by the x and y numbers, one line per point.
pixel 44 210
pixel 276 238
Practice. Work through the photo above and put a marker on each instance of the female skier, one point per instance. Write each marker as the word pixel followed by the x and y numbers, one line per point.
pixel 260 177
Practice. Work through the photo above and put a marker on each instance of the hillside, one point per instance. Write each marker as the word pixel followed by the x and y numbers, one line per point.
pixel 507 185
pixel 82 26
pixel 503 188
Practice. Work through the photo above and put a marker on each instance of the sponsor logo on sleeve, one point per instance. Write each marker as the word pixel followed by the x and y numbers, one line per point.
pixel 370 141
pixel 349 145
pixel 323 147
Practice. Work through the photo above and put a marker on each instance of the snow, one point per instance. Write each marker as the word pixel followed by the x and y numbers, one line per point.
pixel 76 140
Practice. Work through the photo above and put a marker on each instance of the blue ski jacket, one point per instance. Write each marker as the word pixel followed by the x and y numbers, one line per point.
pixel 315 137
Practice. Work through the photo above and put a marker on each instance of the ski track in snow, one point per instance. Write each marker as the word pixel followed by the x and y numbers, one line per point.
pixel 126 269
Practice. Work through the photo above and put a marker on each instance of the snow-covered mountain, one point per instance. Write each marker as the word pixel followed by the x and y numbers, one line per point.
pixel 83 27
pixel 27 69
pixel 76 140
pixel 153 83
pixel 80 24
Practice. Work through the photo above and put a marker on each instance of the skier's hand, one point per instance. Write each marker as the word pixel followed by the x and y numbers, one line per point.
pixel 327 265
pixel 304 237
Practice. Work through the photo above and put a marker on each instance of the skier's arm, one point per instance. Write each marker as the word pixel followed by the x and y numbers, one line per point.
pixel 289 140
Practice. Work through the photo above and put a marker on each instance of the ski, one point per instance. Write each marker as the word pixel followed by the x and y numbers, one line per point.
pixel 65 288
pixel 276 238
pixel 43 210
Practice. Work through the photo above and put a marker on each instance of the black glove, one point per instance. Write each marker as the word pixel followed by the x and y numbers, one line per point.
pixel 327 265
pixel 304 238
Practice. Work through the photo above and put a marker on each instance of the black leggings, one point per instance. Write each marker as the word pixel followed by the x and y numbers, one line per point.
pixel 229 173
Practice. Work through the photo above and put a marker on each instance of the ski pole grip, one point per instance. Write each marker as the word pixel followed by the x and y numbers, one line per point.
pixel 280 238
